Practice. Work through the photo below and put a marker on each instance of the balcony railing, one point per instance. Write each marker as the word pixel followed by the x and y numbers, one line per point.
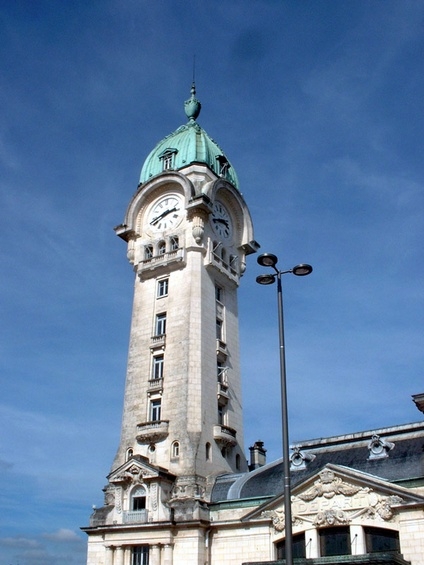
pixel 224 435
pixel 152 432
pixel 155 384
pixel 158 341
pixel 135 517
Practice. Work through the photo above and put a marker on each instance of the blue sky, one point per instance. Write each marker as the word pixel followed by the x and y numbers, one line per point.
pixel 318 105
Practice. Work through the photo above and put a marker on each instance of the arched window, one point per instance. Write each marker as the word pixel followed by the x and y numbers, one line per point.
pixel 175 449
pixel 138 499
pixel 130 453
pixel 238 462
pixel 161 248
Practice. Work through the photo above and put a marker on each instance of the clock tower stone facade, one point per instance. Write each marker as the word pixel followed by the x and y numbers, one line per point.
pixel 188 232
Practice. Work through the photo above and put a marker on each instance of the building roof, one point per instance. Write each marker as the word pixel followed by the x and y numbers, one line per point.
pixel 394 454
pixel 187 145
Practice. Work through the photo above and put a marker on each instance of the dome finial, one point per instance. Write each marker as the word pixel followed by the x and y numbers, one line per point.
pixel 192 106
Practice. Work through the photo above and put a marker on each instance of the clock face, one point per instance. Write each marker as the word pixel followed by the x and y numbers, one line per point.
pixel 221 221
pixel 166 212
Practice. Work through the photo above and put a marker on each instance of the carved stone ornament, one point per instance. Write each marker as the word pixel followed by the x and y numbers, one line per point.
pixel 278 519
pixel 332 517
pixel 133 474
pixel 381 506
pixel 198 229
pixel 328 485
pixel 188 487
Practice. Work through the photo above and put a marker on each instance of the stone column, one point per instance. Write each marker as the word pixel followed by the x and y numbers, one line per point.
pixel 311 543
pixel 154 555
pixel 109 555
pixel 119 555
pixel 357 540
pixel 167 554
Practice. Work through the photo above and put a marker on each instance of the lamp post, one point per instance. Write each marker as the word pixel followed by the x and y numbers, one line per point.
pixel 270 260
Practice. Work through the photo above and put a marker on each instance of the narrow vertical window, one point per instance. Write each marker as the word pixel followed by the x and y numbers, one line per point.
pixel 155 410
pixel 148 252
pixel 218 293
pixel 160 326
pixel 221 371
pixel 162 288
pixel 175 449
pixel 208 451
pixel 174 243
pixel 157 367
pixel 219 329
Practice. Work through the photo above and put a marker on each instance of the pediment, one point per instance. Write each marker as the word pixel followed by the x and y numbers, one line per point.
pixel 136 470
pixel 338 495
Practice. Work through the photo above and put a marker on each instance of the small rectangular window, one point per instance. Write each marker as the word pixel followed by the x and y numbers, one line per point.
pixel 155 410
pixel 160 327
pixel 219 329
pixel 218 293
pixel 162 288
pixel 221 371
pixel 157 368
pixel 174 243
pixel 148 252
pixel 222 419
pixel 167 162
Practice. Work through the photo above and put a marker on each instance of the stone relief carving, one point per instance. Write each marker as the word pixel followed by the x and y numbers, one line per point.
pixel 188 487
pixel 331 501
pixel 333 517
pixel 133 474
pixel 328 485
pixel 278 519
pixel 381 506
pixel 154 496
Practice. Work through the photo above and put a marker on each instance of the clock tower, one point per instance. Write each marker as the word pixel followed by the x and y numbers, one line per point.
pixel 188 232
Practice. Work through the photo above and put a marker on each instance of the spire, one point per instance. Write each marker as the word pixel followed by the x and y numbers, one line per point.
pixel 192 106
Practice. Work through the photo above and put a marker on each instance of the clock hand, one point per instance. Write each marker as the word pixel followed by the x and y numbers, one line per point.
pixel 221 221
pixel 165 213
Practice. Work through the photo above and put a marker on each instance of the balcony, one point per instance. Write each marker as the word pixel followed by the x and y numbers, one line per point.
pixel 222 392
pixel 170 260
pixel 158 341
pixel 224 435
pixel 155 385
pixel 134 517
pixel 152 432
pixel 221 348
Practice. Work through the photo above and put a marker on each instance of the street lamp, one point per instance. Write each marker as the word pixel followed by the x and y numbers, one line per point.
pixel 270 260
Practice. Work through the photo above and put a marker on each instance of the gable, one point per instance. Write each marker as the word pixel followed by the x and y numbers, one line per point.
pixel 339 496
pixel 136 470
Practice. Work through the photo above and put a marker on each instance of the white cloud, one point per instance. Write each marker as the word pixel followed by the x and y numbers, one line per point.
pixel 64 535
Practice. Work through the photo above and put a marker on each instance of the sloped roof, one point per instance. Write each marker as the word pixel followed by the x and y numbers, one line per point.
pixel 404 462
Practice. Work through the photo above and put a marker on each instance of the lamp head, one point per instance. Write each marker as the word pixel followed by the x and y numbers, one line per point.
pixel 265 279
pixel 267 260
pixel 302 270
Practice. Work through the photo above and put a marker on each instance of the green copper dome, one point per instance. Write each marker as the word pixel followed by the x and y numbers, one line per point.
pixel 188 144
